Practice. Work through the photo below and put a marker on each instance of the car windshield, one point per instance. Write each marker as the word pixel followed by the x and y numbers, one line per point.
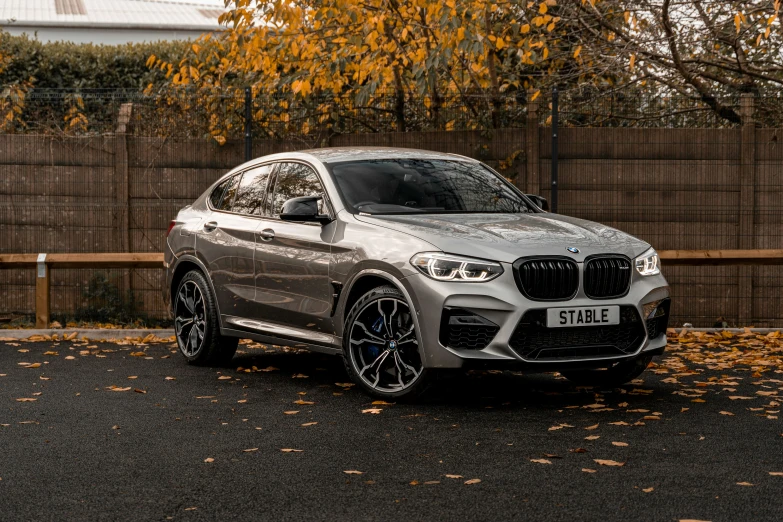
pixel 402 186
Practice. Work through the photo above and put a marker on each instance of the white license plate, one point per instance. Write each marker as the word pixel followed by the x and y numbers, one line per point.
pixel 582 316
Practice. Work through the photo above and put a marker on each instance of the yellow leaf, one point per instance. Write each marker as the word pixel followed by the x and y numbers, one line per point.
pixel 525 29
pixel 604 462
pixel 737 22
pixel 542 8
pixel 151 61
pixel 577 51
pixel 535 95
pixel 633 61
pixel 194 73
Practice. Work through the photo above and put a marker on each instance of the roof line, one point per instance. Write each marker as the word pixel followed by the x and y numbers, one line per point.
pixel 107 25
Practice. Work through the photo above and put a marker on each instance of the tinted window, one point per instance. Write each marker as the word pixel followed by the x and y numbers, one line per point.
pixel 295 180
pixel 228 195
pixel 424 186
pixel 250 196
pixel 217 194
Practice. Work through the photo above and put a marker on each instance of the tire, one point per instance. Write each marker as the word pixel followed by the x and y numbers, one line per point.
pixel 197 324
pixel 617 375
pixel 371 342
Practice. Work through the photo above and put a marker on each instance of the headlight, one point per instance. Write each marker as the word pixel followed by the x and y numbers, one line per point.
pixel 444 267
pixel 648 263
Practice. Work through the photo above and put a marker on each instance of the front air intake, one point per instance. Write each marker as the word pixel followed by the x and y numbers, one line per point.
pixel 547 279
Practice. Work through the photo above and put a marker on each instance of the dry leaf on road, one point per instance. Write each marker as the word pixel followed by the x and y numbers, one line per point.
pixel 291 450
pixel 353 472
pixel 472 481
pixel 209 459
pixel 588 470
pixel 251 450
pixel 372 410
pixel 604 462
pixel 621 444
pixel 541 461
pixel 453 476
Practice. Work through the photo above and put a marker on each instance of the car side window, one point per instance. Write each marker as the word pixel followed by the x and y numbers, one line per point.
pixel 250 195
pixel 228 194
pixel 217 194
pixel 294 180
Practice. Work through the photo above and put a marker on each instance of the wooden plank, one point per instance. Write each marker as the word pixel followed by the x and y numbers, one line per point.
pixel 721 257
pixel 42 298
pixel 102 260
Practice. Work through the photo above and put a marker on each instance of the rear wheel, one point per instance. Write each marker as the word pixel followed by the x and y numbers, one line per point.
pixel 617 375
pixel 196 324
pixel 381 347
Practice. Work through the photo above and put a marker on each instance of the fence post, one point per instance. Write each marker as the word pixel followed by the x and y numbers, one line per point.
pixel 555 114
pixel 747 205
pixel 248 122
pixel 122 190
pixel 42 293
pixel 532 149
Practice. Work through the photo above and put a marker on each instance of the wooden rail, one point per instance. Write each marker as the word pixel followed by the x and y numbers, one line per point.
pixel 45 262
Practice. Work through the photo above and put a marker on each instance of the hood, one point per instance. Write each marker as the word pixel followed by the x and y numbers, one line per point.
pixel 507 237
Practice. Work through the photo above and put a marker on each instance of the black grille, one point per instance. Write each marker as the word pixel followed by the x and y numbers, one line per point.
pixel 657 324
pixel 607 277
pixel 547 279
pixel 462 329
pixel 534 341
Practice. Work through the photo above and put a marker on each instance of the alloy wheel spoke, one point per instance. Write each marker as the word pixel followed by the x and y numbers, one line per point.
pixel 373 338
pixel 405 365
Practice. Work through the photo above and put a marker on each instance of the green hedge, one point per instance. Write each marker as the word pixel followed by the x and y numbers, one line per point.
pixel 63 65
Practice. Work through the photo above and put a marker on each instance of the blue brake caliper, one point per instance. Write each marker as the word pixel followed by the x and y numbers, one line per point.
pixel 373 350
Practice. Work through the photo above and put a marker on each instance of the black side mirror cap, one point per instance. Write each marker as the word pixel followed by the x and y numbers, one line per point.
pixel 303 209
pixel 540 202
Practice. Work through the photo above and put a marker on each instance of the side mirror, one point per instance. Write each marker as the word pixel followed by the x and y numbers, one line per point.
pixel 540 202
pixel 303 209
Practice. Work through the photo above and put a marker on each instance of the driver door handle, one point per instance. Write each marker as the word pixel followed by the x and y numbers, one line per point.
pixel 267 234
pixel 209 226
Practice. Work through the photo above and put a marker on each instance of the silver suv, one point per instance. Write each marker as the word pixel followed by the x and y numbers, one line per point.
pixel 405 263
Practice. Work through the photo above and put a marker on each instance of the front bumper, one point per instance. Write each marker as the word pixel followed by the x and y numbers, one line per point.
pixel 500 302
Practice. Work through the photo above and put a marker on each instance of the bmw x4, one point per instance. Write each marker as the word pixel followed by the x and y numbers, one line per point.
pixel 406 263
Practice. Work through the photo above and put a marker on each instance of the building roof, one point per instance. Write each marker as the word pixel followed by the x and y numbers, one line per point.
pixel 148 14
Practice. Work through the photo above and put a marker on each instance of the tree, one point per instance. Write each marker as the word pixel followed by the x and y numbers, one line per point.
pixel 463 54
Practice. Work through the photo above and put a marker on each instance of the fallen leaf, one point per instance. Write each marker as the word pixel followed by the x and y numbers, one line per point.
pixel 374 411
pixel 588 470
pixel 51 353
pixel 776 473
pixel 648 490
pixel 621 444
pixel 300 401
pixel 209 459
pixel 604 462
pixel 382 403
pixel 171 378
pixel 117 388
pixel 353 472
pixel 726 413
pixel 453 476
pixel 744 484
pixel 269 369
pixel 344 384
pixel 739 397
pixel 414 482
pixel 300 376
pixel 593 437
pixel 290 450
pixel 138 354
pixel 139 391
pixel 292 412
pixel 33 365
pixel 593 427
pixel 224 377
pixel 541 461
pixel 619 423
pixel 309 424
pixel 472 481
pixel 431 482
pixel 251 450
pixel 26 399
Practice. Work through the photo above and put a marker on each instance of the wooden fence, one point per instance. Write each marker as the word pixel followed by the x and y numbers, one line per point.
pixel 679 189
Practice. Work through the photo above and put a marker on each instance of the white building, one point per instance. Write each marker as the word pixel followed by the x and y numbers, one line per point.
pixel 110 21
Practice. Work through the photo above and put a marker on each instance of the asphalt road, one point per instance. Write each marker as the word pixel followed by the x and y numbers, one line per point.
pixel 84 451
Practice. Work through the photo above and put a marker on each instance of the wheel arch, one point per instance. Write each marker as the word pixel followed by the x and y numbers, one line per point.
pixel 184 265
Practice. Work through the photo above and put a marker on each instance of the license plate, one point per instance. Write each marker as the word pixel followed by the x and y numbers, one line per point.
pixel 583 316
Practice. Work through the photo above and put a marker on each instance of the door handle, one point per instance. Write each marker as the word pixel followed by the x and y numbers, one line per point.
pixel 267 234
pixel 209 226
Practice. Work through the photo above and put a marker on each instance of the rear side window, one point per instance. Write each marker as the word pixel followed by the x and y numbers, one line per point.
pixel 223 196
pixel 250 196
pixel 295 180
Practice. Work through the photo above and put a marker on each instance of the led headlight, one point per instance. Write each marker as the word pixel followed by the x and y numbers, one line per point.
pixel 445 267
pixel 648 263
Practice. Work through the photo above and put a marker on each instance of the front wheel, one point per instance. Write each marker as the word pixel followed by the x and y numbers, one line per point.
pixel 380 346
pixel 617 375
pixel 196 324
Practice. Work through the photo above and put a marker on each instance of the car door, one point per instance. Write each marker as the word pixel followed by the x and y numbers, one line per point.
pixel 226 241
pixel 292 259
